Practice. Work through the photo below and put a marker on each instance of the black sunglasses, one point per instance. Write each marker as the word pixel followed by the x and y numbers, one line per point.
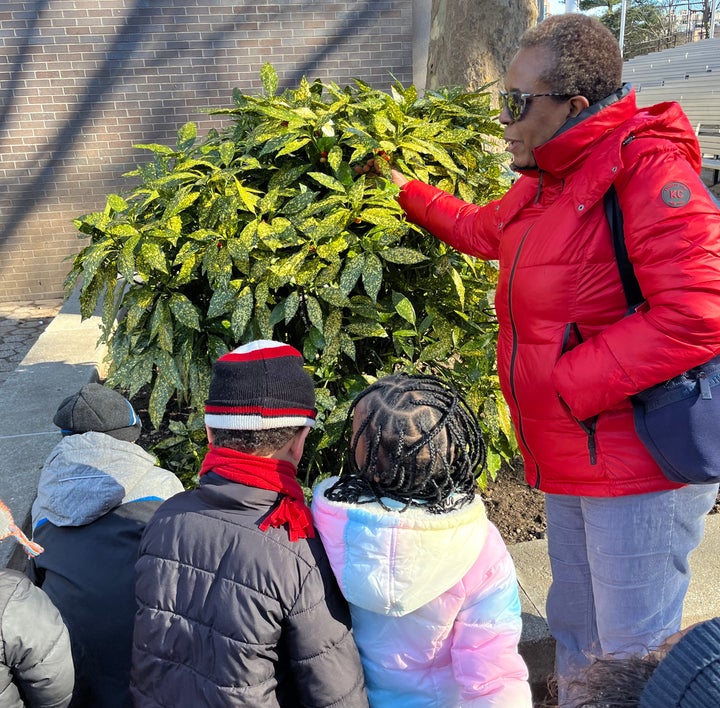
pixel 516 102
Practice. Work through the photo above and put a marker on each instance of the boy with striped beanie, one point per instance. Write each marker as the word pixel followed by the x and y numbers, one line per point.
pixel 260 386
pixel 237 602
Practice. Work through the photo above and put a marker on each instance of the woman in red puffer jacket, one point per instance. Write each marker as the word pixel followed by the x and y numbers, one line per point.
pixel 619 532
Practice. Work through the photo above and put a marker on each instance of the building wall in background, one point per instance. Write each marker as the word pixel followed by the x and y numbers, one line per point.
pixel 83 81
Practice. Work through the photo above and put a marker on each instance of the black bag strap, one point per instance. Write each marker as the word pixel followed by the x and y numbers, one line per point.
pixel 633 294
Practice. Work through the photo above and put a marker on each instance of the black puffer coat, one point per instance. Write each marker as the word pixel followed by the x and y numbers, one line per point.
pixel 233 616
pixel 35 658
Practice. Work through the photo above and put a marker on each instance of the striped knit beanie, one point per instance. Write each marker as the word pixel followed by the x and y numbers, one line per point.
pixel 689 675
pixel 260 385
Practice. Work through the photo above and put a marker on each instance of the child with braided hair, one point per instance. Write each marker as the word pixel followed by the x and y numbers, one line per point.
pixel 430 584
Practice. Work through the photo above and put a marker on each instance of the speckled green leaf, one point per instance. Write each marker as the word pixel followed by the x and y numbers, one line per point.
pixel 136 374
pixel 269 78
pixel 247 197
pixel 227 152
pixel 425 129
pixel 372 276
pixel 457 135
pixel 335 157
pixel 156 148
pixel 282 228
pixel 328 274
pixel 94 257
pixel 187 270
pixel 331 250
pixel 141 305
pixel 123 230
pixel 314 312
pixel 331 332
pixel 287 176
pixel 298 203
pixel 404 256
pixel 116 203
pixel 357 192
pixel 307 274
pixel 126 258
pixel 286 269
pixel 333 296
pixel 366 329
pixel 221 301
pixel 186 135
pixel 347 346
pixel 459 286
pixel 434 149
pixel 180 202
pixel 160 395
pixel 242 312
pixel 245 240
pixel 351 273
pixel 262 313
pixel 184 311
pixel 153 256
pixel 293 146
pixel 379 217
pixel 327 181
pixel 89 295
pixel 290 306
pixel 405 309
pixel 218 264
pixel 437 351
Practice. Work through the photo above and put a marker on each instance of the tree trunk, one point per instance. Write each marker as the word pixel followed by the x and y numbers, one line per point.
pixel 473 41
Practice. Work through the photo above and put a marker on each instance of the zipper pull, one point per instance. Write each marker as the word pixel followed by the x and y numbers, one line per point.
pixel 705 392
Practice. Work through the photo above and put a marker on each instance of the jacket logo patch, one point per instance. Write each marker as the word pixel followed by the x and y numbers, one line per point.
pixel 675 194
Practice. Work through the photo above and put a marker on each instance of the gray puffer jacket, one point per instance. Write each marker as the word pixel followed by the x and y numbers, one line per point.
pixel 234 616
pixel 36 662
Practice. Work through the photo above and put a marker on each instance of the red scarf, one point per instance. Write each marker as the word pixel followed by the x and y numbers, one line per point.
pixel 266 473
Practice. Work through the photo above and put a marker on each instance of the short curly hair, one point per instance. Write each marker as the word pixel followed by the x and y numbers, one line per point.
pixel 586 57
pixel 253 442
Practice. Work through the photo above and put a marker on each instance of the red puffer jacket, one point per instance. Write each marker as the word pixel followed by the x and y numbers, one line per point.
pixel 568 357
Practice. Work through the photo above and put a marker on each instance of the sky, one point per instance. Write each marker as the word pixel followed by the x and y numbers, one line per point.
pixel 556 7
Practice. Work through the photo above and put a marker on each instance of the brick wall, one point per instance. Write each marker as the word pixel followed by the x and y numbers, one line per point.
pixel 82 81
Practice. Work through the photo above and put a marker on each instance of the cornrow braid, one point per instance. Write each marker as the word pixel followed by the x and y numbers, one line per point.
pixel 416 441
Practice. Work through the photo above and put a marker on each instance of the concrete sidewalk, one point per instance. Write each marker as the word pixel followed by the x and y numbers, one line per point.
pixel 66 356
pixel 21 323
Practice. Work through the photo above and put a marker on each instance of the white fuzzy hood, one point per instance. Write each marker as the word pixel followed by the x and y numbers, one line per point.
pixel 391 562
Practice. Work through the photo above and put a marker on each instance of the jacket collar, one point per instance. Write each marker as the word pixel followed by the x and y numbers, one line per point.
pixel 567 150
pixel 598 134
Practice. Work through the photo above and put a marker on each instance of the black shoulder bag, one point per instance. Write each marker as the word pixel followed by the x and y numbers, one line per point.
pixel 678 420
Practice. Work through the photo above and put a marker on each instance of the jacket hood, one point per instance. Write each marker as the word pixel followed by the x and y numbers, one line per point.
pixel 392 563
pixel 87 475
pixel 598 134
pixel 614 120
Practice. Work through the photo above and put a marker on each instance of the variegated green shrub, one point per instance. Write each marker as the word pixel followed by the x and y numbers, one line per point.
pixel 263 229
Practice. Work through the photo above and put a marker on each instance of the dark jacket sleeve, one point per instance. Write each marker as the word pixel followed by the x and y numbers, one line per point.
pixel 321 646
pixel 35 643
